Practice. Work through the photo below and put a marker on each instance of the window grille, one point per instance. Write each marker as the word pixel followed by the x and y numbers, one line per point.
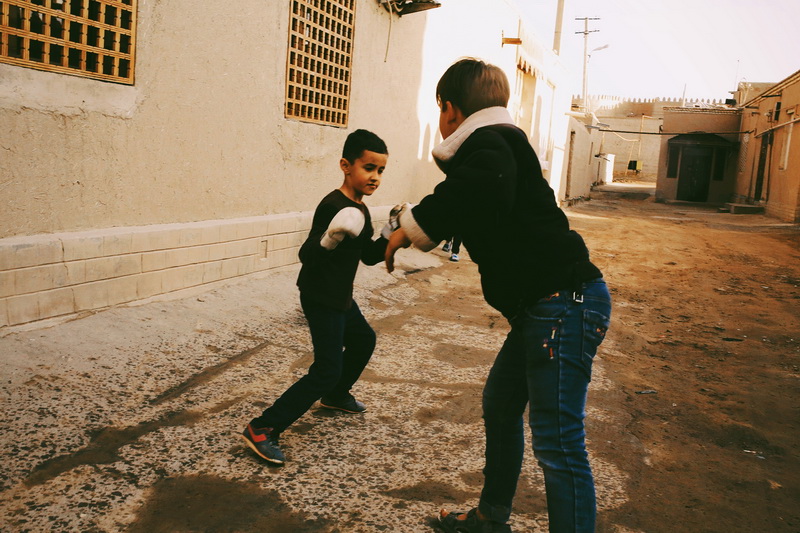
pixel 88 38
pixel 743 151
pixel 318 62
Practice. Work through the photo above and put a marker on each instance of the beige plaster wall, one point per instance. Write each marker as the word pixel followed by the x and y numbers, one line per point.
pixel 633 146
pixel 722 122
pixel 585 167
pixel 202 133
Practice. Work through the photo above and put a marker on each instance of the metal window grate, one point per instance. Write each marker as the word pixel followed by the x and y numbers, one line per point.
pixel 318 62
pixel 88 38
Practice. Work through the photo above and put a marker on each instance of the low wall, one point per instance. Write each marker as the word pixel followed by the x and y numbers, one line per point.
pixel 57 275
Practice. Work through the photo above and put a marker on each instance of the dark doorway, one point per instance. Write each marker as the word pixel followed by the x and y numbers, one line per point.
pixel 766 142
pixel 569 163
pixel 695 173
pixel 697 160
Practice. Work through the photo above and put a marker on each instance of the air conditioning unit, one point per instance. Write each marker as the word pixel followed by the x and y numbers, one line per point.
pixel 406 7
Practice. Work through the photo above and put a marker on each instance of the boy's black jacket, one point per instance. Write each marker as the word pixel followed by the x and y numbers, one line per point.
pixel 327 275
pixel 495 197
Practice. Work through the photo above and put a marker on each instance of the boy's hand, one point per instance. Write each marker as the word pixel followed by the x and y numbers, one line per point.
pixel 397 240
pixel 394 220
pixel 347 222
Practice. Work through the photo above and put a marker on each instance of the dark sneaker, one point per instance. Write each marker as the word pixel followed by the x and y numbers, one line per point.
pixel 469 522
pixel 350 405
pixel 264 443
pixel 446 247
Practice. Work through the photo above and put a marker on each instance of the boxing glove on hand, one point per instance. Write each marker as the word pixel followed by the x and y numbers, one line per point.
pixel 347 222
pixel 394 220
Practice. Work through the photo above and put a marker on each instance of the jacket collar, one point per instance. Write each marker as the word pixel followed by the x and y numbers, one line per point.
pixel 489 116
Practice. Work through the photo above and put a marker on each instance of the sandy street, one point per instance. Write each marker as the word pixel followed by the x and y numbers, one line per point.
pixel 129 419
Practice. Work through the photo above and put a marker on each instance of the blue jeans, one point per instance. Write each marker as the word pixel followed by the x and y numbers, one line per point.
pixel 343 344
pixel 546 361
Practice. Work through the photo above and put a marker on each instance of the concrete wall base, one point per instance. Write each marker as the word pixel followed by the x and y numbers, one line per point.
pixel 55 275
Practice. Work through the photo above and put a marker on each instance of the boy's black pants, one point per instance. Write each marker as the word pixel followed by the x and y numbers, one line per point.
pixel 343 344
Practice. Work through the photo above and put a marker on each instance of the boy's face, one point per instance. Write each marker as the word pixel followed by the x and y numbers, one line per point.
pixel 363 176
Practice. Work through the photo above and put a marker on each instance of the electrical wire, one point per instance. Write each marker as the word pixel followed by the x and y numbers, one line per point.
pixel 389 37
pixel 675 132
pixel 621 137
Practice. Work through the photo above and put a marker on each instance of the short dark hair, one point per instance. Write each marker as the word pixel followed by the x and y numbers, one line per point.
pixel 361 140
pixel 472 85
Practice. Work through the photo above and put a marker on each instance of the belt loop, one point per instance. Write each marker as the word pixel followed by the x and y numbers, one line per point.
pixel 577 282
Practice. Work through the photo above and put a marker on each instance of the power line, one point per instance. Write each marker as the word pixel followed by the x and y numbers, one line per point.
pixel 675 132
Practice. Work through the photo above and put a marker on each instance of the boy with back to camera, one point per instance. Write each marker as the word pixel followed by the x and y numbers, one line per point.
pixel 343 341
pixel 537 273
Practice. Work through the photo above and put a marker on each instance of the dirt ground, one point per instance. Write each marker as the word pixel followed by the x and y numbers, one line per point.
pixel 128 420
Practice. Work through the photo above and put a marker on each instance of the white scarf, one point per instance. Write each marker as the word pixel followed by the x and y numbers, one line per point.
pixel 442 154
pixel 488 116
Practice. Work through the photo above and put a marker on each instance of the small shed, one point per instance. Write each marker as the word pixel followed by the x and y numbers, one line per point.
pixel 698 162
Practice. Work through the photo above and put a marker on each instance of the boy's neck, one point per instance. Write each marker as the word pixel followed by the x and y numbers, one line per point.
pixel 352 194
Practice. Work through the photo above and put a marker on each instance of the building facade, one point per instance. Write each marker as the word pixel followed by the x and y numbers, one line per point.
pixel 768 172
pixel 697 158
pixel 147 150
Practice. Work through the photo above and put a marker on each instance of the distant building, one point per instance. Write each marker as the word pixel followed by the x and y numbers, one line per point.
pixel 769 157
pixel 747 90
pixel 698 162
pixel 634 125
pixel 742 155
pixel 739 151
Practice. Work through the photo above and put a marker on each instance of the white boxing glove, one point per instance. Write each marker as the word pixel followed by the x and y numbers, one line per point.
pixel 347 222
pixel 394 220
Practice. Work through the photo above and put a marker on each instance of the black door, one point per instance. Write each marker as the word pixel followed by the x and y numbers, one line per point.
pixel 763 155
pixel 694 175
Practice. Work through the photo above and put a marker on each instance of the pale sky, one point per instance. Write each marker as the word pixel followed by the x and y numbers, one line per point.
pixel 656 47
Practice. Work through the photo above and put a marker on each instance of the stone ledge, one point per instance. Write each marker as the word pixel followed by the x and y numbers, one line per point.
pixel 744 209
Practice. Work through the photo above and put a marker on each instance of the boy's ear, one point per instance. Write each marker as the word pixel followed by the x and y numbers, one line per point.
pixel 344 164
pixel 447 107
pixel 452 113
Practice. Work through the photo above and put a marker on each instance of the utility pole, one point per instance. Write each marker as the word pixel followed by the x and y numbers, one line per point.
pixel 586 31
pixel 559 24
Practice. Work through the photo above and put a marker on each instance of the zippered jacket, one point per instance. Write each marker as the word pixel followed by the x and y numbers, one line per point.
pixel 495 196
pixel 327 275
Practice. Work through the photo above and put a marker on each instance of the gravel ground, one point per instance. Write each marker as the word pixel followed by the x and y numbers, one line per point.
pixel 129 419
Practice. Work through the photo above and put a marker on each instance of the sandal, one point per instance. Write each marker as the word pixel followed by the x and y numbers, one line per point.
pixel 459 522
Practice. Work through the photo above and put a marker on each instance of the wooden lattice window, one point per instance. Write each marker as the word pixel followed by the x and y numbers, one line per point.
pixel 318 62
pixel 89 38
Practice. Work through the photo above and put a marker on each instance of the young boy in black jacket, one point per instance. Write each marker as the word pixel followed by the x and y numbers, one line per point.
pixel 537 273
pixel 340 237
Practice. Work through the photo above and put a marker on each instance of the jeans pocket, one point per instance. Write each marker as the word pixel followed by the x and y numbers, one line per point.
pixel 540 326
pixel 541 341
pixel 595 326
